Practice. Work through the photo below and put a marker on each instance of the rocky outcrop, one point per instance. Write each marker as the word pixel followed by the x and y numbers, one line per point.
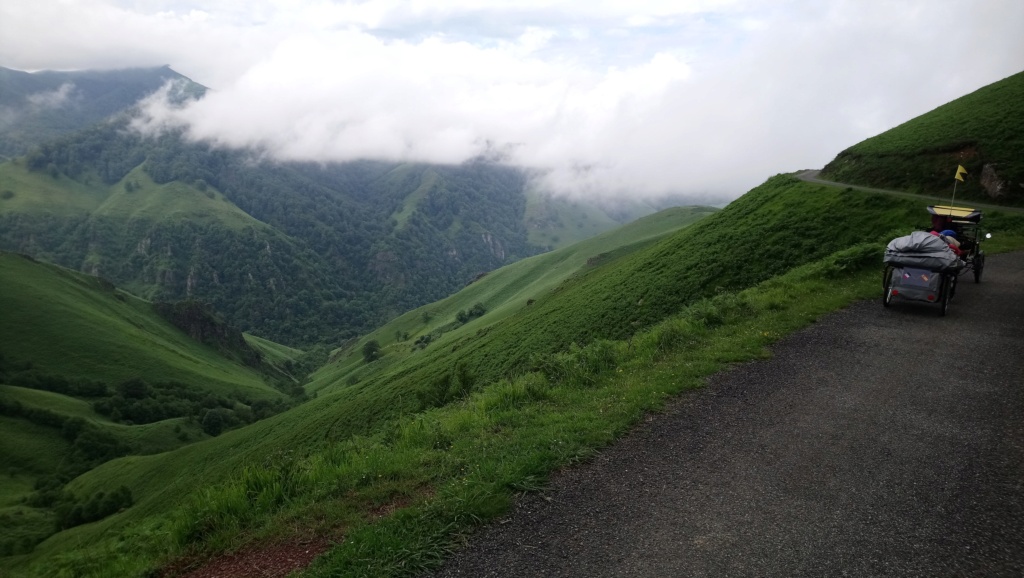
pixel 990 181
pixel 494 246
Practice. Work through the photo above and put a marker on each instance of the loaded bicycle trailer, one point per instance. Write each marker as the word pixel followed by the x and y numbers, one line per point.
pixel 920 267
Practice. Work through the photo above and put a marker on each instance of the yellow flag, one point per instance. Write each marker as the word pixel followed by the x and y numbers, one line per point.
pixel 960 172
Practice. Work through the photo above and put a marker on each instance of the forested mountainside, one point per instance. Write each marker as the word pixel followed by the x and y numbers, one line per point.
pixel 299 253
pixel 40 106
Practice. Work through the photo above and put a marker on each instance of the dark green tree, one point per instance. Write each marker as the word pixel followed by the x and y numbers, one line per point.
pixel 371 351
pixel 213 422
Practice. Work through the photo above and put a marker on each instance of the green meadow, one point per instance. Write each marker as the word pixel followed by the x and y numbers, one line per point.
pixel 134 197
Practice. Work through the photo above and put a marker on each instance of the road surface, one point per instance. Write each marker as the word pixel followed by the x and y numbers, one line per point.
pixel 877 442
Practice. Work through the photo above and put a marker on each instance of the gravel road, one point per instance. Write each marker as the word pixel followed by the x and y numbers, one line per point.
pixel 878 442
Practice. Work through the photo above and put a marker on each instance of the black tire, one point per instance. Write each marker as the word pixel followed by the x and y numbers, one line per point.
pixel 887 287
pixel 979 266
pixel 947 294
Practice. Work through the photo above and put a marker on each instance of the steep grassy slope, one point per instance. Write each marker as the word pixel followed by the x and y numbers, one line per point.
pixel 77 344
pixel 365 447
pixel 69 324
pixel 158 481
pixel 777 226
pixel 134 197
pixel 979 130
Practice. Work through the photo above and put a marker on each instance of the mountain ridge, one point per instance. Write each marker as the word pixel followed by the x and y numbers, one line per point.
pixel 39 106
pixel 367 240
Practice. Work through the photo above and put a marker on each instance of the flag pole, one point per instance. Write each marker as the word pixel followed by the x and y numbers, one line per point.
pixel 960 171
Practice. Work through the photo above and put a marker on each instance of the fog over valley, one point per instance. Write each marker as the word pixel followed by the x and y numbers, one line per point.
pixel 704 97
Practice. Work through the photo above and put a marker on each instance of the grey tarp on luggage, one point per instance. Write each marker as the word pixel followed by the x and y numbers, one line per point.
pixel 922 250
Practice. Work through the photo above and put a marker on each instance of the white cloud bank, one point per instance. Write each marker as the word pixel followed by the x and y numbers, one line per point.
pixel 605 98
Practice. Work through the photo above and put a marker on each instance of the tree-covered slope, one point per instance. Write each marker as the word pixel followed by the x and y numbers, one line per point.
pixel 983 131
pixel 40 106
pixel 299 253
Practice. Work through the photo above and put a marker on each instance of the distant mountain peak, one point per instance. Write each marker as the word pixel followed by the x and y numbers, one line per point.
pixel 44 105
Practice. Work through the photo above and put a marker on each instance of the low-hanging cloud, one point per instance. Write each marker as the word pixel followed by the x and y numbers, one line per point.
pixel 55 98
pixel 433 101
pixel 707 97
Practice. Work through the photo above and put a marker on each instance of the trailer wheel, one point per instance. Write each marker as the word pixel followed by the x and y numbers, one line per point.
pixel 887 287
pixel 947 290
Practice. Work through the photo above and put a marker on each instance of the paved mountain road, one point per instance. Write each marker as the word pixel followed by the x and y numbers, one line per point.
pixel 877 442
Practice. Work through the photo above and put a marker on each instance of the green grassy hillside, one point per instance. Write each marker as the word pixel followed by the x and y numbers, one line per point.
pixel 134 197
pixel 159 481
pixel 102 375
pixel 483 408
pixel 68 324
pixel 777 226
pixel 984 128
pixel 501 293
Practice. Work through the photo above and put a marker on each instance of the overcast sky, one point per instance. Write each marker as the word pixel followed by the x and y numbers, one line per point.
pixel 627 97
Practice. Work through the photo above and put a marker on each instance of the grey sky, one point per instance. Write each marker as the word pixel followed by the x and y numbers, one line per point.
pixel 630 97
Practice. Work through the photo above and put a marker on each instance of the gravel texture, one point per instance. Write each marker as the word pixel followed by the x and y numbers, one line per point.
pixel 876 442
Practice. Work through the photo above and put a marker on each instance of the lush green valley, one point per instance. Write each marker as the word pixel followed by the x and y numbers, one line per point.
pixel 495 297
pixel 571 367
pixel 298 253
pixel 149 438
pixel 89 373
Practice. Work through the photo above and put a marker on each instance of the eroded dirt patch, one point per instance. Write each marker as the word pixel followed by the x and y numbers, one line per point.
pixel 261 561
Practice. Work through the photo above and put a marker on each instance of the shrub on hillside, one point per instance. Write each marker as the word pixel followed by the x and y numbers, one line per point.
pixel 371 351
pixel 71 512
